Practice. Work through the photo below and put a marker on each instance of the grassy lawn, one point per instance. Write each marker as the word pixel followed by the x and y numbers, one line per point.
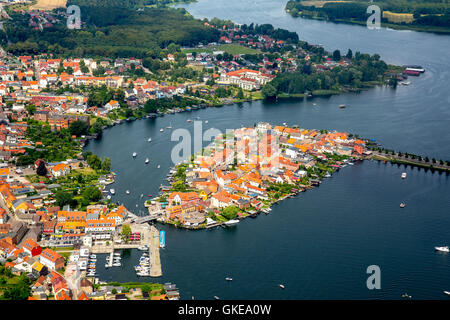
pixel 231 48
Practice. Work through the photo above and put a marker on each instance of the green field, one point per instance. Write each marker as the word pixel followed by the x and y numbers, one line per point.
pixel 230 48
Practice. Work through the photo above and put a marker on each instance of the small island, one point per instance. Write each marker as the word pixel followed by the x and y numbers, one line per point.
pixel 246 171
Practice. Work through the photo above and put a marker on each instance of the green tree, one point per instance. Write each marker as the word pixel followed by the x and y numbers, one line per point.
pixel 92 194
pixel 349 54
pixel 336 55
pixel 94 162
pixel 126 230
pixel 106 164
pixel 269 91
pixel 64 198
pixel 230 212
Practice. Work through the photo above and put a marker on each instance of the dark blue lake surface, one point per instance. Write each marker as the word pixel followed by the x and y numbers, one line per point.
pixel 320 243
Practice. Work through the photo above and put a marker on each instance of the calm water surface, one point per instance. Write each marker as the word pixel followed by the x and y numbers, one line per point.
pixel 320 243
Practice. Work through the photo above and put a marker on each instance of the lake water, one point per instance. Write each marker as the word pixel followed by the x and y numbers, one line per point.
pixel 320 243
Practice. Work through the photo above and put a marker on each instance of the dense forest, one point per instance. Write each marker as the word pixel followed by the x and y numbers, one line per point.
pixel 434 13
pixel 113 28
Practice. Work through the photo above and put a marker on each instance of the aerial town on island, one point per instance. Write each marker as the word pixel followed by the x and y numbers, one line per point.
pixel 57 215
pixel 245 171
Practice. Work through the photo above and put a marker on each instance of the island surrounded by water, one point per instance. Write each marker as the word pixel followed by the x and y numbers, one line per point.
pixel 247 170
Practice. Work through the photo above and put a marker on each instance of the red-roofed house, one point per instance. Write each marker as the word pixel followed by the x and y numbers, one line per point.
pixel 32 248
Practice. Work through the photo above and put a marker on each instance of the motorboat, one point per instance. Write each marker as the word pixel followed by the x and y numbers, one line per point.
pixel 112 191
pixel 117 254
pixel 206 121
pixel 342 106
pixel 232 222
pixel 149 140
pixel 404 175
pixel 402 205
pixel 170 126
pixel 189 120
pixel 447 293
pixel 158 166
pixel 93 256
pixel 442 249
pixel 117 264
pixel 161 129
pixel 134 154
pixel 147 160
pixel 127 192
pixel 281 286
pixel 229 279
pixel 216 297
pixel 142 248
pixel 405 295
pixel 108 197
pixel 143 274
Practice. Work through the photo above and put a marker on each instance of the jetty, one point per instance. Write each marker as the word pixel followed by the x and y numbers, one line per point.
pixel 155 260
pixel 111 258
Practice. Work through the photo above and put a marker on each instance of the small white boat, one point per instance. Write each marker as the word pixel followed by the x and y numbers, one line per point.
pixel 342 106
pixel 206 121
pixel 147 160
pixel 127 192
pixel 442 249
pixel 117 264
pixel 216 297
pixel 405 295
pixel 158 166
pixel 149 140
pixel 143 248
pixel 108 197
pixel 447 293
pixel 402 205
pixel 189 120
pixel 112 191
pixel 93 256
pixel 281 286
pixel 232 222
pixel 170 126
pixel 404 175
pixel 134 154
pixel 229 279
pixel 161 129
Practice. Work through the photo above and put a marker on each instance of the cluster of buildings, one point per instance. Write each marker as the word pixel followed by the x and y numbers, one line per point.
pixel 52 88
pixel 237 170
